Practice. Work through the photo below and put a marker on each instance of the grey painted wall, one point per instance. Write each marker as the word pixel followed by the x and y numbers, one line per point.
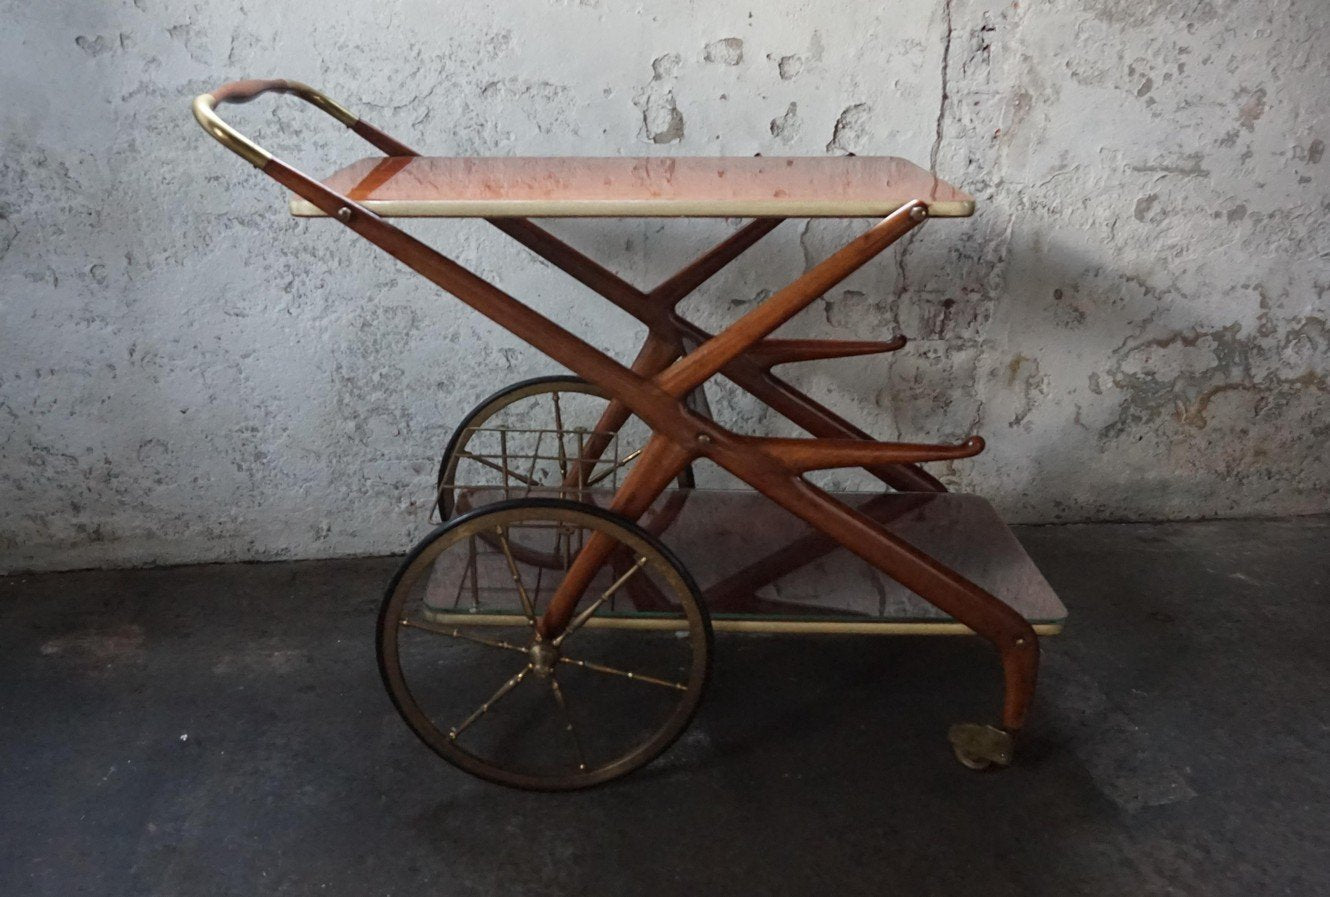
pixel 1136 319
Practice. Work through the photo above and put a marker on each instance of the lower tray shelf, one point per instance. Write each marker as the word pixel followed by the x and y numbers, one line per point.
pixel 761 569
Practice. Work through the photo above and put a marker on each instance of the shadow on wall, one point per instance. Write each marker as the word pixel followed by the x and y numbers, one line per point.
pixel 1102 390
pixel 1109 389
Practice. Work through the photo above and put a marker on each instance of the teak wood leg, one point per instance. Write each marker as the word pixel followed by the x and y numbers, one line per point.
pixel 750 371
pixel 656 354
pixel 659 464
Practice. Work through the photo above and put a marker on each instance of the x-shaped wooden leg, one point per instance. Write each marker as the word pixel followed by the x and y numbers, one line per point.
pixel 668 335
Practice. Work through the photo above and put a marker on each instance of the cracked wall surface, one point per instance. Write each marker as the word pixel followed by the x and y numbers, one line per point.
pixel 1136 318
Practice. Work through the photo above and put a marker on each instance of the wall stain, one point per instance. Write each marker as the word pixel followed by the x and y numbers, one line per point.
pixel 785 127
pixel 789 67
pixel 726 51
pixel 850 130
pixel 662 122
pixel 1252 108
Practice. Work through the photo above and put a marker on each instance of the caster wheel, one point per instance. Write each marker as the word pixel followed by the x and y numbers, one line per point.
pixel 969 761
pixel 460 656
pixel 980 747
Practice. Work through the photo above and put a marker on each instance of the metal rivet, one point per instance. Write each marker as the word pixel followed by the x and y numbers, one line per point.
pixel 918 213
pixel 344 214
pixel 704 439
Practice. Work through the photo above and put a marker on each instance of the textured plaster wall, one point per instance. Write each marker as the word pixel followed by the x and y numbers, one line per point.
pixel 1136 318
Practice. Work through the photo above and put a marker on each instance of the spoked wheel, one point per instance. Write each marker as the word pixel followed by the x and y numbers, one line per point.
pixel 459 653
pixel 529 437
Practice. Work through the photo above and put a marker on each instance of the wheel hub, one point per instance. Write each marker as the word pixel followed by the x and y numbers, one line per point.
pixel 544 657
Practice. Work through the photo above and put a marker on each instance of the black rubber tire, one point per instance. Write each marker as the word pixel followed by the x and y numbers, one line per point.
pixel 433 737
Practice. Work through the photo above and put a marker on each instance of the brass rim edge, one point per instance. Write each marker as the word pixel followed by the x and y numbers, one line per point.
pixel 721 624
pixel 571 208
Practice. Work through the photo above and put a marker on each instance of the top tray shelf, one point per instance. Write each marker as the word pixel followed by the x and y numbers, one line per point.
pixel 702 187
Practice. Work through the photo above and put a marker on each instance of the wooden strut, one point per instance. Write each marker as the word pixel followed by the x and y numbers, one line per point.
pixel 668 333
pixel 680 435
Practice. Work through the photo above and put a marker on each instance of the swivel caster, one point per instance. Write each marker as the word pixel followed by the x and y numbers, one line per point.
pixel 980 747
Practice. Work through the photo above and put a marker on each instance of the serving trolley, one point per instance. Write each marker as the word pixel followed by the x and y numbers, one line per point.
pixel 555 632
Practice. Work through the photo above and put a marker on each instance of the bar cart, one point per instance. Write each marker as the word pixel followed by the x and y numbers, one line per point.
pixel 555 632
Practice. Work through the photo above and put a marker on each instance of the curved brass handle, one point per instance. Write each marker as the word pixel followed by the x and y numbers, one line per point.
pixel 205 106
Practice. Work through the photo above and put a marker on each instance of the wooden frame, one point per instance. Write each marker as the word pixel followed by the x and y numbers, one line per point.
pixel 656 386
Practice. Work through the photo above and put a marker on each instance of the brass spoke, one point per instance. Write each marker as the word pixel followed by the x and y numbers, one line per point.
pixel 469 573
pixel 535 458
pixel 494 699
pixel 454 632
pixel 475 572
pixel 585 615
pixel 507 472
pixel 581 457
pixel 566 541
pixel 627 459
pixel 540 576
pixel 436 512
pixel 627 674
pixel 558 428
pixel 568 721
pixel 503 456
pixel 527 607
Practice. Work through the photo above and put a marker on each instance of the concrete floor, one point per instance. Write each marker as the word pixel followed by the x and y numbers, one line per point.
pixel 222 730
